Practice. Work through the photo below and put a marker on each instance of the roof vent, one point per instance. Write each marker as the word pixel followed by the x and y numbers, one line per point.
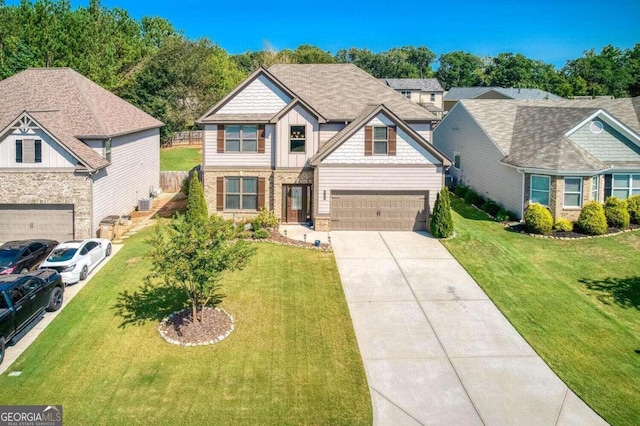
pixel 596 127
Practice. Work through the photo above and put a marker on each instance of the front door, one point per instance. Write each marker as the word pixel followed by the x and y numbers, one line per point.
pixel 297 203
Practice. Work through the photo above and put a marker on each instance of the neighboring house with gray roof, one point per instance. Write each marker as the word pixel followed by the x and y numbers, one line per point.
pixel 71 153
pixel 427 92
pixel 458 93
pixel 560 154
pixel 321 143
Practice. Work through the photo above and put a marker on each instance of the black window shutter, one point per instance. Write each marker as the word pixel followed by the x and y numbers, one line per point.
pixel 38 151
pixel 18 151
pixel 607 186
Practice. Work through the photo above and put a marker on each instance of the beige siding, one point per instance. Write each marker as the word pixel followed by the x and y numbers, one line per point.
pixel 481 168
pixel 329 130
pixel 260 96
pixel 425 97
pixel 298 116
pixel 423 129
pixel 212 158
pixel 408 151
pixel 365 178
pixel 134 170
pixel 53 155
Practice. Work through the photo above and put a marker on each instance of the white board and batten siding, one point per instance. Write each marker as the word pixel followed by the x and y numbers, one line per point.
pixel 383 178
pixel 260 96
pixel 480 166
pixel 297 116
pixel 53 155
pixel 213 158
pixel 134 171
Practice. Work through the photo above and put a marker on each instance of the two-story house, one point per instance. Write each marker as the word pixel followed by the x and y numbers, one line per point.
pixel 321 143
pixel 71 153
pixel 425 91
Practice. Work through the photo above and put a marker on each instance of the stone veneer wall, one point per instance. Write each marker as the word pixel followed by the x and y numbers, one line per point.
pixel 274 179
pixel 52 187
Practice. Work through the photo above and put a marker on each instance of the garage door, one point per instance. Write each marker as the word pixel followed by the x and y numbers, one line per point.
pixel 24 221
pixel 379 210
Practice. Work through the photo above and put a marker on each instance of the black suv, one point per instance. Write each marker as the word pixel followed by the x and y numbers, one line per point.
pixel 23 256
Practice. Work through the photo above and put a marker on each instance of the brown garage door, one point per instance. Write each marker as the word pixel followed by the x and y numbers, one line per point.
pixel 25 221
pixel 379 210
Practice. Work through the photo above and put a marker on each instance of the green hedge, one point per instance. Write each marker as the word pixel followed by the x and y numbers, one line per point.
pixel 538 219
pixel 592 220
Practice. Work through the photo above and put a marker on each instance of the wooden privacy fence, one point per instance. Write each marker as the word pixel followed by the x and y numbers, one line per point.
pixel 172 181
pixel 194 137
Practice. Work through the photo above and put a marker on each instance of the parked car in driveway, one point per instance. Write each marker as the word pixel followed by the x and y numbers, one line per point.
pixel 23 299
pixel 23 256
pixel 75 259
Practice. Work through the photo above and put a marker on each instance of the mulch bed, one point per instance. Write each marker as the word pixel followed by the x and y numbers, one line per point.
pixel 180 329
pixel 520 227
pixel 277 238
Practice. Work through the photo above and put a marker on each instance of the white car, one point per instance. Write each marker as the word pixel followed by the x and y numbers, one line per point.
pixel 75 259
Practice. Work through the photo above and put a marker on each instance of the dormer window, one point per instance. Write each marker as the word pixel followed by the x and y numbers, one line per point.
pixel 28 151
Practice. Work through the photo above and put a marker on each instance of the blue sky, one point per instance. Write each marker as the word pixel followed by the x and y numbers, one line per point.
pixel 548 30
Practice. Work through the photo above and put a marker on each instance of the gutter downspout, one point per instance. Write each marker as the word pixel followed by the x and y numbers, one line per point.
pixel 523 191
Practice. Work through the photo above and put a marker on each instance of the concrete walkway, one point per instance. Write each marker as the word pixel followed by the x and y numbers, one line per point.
pixel 436 350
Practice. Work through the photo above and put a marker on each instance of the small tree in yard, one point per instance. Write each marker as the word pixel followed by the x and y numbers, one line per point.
pixel 194 255
pixel 441 222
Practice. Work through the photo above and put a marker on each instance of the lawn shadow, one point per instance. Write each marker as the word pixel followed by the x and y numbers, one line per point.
pixel 149 303
pixel 468 211
pixel 624 292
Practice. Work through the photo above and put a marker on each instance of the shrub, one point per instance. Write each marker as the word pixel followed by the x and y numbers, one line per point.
pixel 441 225
pixel 491 207
pixel 266 218
pixel 260 234
pixel 472 197
pixel 538 219
pixel 196 205
pixel 563 225
pixel 504 215
pixel 633 206
pixel 615 210
pixel 460 191
pixel 244 235
pixel 256 225
pixel 592 220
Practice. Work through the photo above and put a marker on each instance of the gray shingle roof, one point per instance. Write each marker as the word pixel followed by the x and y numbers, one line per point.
pixel 457 93
pixel 70 107
pixel 422 84
pixel 339 91
pixel 531 134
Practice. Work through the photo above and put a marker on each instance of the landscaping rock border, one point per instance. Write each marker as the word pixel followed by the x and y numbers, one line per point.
pixel 168 339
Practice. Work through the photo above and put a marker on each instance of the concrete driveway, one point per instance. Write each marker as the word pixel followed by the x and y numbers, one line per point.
pixel 436 350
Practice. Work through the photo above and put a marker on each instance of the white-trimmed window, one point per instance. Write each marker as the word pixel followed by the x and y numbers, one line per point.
pixel 380 140
pixel 241 138
pixel 406 93
pixel 241 193
pixel 595 188
pixel 540 189
pixel 456 160
pixel 572 192
pixel 28 151
pixel 433 97
pixel 106 146
pixel 625 185
pixel 297 139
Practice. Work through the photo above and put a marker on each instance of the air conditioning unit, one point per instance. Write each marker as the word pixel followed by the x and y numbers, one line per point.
pixel 144 204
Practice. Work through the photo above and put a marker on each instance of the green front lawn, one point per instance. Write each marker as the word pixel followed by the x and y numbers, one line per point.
pixel 576 302
pixel 179 158
pixel 292 359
